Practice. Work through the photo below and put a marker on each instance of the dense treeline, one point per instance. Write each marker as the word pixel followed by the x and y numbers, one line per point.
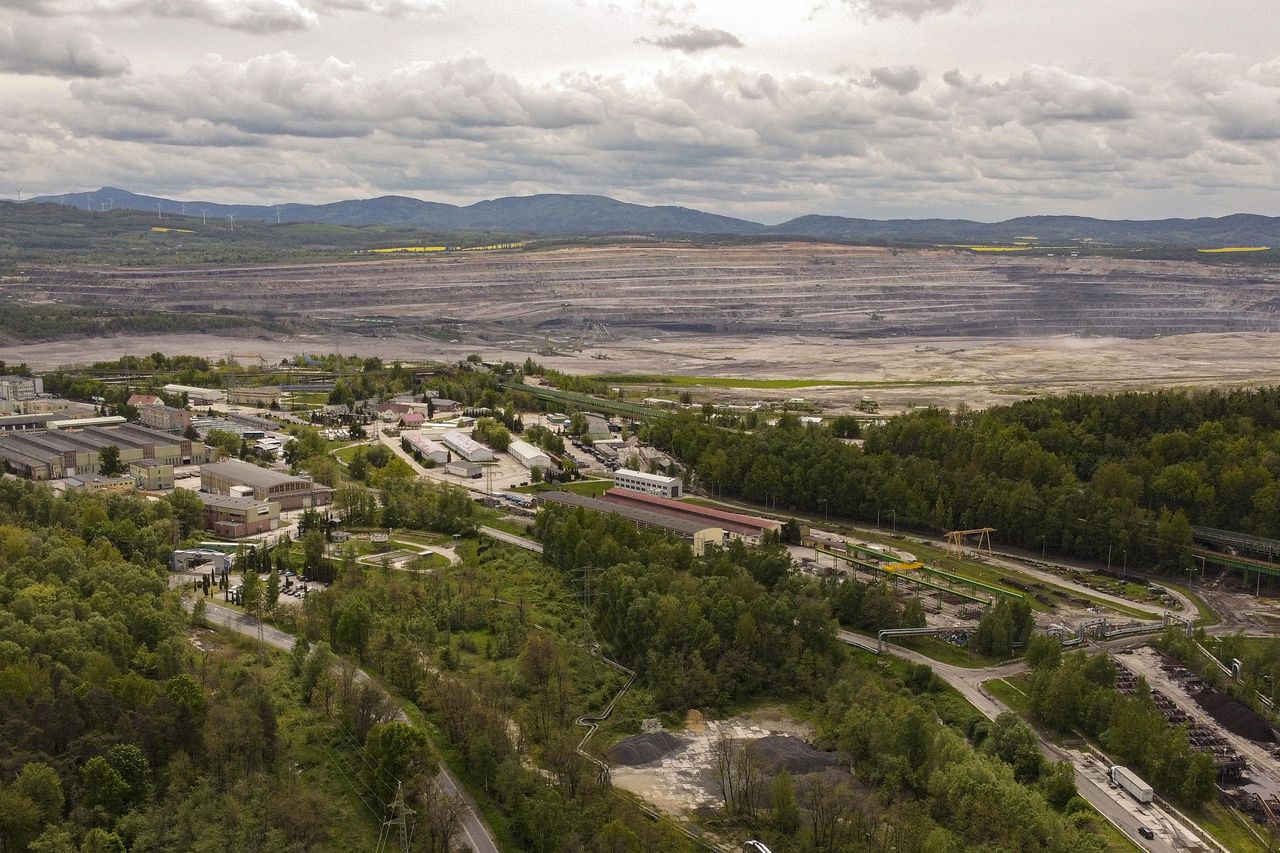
pixel 1086 475
pixel 493 652
pixel 116 732
pixel 701 632
pixel 1076 692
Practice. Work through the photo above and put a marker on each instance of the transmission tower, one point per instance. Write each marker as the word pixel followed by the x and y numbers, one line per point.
pixel 396 823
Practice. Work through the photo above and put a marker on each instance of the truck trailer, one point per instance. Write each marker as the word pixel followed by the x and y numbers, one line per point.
pixel 1130 782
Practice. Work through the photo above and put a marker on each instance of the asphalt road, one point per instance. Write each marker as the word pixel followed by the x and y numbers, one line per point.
pixel 473 828
pixel 968 682
pixel 512 539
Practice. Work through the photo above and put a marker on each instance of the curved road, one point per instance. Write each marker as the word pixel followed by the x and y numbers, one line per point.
pixel 473 828
pixel 1115 807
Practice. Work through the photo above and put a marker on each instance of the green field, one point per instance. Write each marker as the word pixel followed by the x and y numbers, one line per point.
pixel 679 381
pixel 945 652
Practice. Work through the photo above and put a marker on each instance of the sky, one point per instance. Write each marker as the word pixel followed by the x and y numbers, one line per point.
pixel 982 109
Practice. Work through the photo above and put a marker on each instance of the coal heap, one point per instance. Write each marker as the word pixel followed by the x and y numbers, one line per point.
pixel 1235 716
pixel 642 749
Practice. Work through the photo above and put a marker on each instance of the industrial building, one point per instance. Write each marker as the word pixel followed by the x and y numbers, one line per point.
pixel 164 418
pixel 10 423
pixel 21 387
pixel 50 454
pixel 235 516
pixel 467 447
pixel 424 448
pixel 463 468
pixel 285 490
pixel 262 396
pixel 99 483
pixel 697 531
pixel 748 528
pixel 649 484
pixel 529 455
pixel 151 475
pixel 196 396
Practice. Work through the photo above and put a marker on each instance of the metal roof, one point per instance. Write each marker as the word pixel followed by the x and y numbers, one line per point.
pixel 250 475
pixel 663 520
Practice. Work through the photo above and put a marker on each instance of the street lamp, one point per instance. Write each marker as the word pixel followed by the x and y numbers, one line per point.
pixel 1042 546
pixel 895 521
pixel 826 516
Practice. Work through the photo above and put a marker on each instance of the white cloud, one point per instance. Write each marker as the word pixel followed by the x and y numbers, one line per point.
pixel 39 48
pixel 911 9
pixel 250 16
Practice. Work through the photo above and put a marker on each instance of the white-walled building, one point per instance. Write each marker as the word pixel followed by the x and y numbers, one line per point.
pixel 425 447
pixel 649 484
pixel 467 447
pixel 528 455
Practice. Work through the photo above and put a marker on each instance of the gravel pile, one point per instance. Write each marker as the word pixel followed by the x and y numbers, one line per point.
pixel 783 752
pixel 642 749
pixel 1235 716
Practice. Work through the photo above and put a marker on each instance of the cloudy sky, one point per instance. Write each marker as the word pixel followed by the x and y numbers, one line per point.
pixel 878 108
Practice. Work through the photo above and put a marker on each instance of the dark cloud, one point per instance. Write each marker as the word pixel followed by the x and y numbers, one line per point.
pixel 695 40
pixel 56 52
pixel 901 79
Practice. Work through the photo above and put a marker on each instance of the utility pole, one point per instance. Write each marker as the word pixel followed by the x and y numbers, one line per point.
pixel 396 821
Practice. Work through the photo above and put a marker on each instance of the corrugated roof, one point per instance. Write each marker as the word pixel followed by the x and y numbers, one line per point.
pixel 718 517
pixel 250 475
pixel 664 520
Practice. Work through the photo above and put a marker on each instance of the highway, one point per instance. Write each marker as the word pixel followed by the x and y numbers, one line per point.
pixel 1125 814
pixel 474 829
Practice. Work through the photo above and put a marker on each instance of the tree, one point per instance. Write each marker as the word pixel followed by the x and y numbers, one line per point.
pixel 273 590
pixel 41 784
pixel 227 443
pixel 109 464
pixel 312 550
pixel 187 510
pixel 250 591
pixel 786 811
pixel 1201 778
pixel 1012 740
pixel 399 753
pixel 20 819
pixel 104 788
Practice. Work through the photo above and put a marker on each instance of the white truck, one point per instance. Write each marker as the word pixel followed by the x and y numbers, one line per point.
pixel 1127 779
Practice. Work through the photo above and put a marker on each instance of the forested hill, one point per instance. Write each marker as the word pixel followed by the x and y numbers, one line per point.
pixel 1085 475
pixel 561 214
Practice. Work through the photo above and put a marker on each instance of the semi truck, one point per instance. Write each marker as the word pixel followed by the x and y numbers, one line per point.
pixel 1130 782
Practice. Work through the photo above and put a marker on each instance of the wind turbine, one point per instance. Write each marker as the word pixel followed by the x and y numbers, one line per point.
pixel 277 214
pixel 184 209
pixel 232 217
pixel 204 216
pixel 159 215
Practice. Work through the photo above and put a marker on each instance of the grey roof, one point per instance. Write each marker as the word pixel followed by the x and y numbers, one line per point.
pixel 250 475
pixel 673 523
pixel 228 501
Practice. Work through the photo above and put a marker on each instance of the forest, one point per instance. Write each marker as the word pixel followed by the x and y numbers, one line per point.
pixel 124 725
pixel 1119 477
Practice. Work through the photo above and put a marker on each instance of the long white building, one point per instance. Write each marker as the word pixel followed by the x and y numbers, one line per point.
pixel 425 447
pixel 467 447
pixel 649 484
pixel 528 455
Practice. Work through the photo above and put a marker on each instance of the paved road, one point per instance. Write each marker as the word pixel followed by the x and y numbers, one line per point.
pixel 1121 813
pixel 473 828
pixel 511 539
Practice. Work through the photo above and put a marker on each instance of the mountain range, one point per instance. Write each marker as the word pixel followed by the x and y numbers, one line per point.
pixel 557 214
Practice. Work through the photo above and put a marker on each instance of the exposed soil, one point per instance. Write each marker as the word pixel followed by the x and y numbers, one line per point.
pixel 782 752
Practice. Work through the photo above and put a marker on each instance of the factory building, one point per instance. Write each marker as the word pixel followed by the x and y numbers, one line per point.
pixel 99 483
pixel 649 484
pixel 467 447
pixel 196 396
pixel 463 468
pixel 21 387
pixel 528 455
pixel 285 490
pixel 234 516
pixel 151 475
pixel 424 448
pixel 164 418
pixel 263 396
pixel 698 532
pixel 748 528
pixel 49 454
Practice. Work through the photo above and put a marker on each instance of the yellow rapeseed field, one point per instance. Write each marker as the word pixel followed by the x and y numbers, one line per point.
pixel 1234 249
pixel 160 230
pixel 411 249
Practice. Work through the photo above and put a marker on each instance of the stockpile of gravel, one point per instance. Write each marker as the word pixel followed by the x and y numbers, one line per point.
pixel 782 752
pixel 1235 716
pixel 642 749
